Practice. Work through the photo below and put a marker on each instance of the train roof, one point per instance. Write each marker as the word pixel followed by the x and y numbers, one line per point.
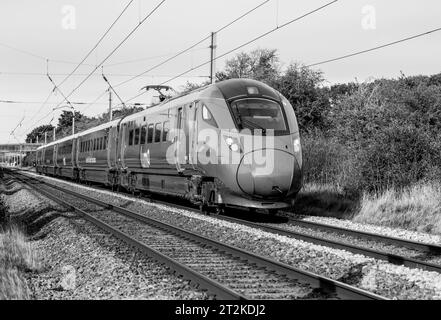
pixel 229 89
pixel 100 127
pixel 236 88
pixel 57 141
pixel 91 130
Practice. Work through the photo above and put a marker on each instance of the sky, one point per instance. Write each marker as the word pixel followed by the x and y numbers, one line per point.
pixel 55 35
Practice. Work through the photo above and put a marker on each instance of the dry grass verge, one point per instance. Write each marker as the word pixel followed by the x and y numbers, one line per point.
pixel 415 208
pixel 17 257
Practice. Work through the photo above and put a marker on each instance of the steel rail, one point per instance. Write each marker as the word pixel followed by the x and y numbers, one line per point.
pixel 389 257
pixel 327 285
pixel 195 277
pixel 421 246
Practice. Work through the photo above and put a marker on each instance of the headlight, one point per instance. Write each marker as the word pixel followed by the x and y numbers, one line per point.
pixel 232 143
pixel 297 145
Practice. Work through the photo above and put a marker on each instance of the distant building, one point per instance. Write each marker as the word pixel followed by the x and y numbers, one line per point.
pixel 14 153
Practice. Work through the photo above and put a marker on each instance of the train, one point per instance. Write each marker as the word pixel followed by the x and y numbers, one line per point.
pixel 234 143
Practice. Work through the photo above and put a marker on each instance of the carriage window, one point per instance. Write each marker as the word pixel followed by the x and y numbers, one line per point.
pixel 130 137
pixel 150 133
pixel 143 134
pixel 165 130
pixel 158 129
pixel 136 142
pixel 207 116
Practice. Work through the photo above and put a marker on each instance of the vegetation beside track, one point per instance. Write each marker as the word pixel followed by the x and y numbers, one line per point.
pixel 17 257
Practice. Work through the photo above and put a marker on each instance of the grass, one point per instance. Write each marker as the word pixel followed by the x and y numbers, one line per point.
pixel 17 257
pixel 415 208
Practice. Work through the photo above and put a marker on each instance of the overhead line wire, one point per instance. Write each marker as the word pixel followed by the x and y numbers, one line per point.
pixel 374 48
pixel 113 51
pixel 108 56
pixel 192 46
pixel 253 40
pixel 97 44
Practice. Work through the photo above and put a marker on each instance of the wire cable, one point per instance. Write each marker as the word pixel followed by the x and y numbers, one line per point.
pixel 97 44
pixel 179 54
pixel 375 48
pixel 85 74
pixel 253 40
pixel 148 58
pixel 113 51
pixel 192 46
pixel 39 56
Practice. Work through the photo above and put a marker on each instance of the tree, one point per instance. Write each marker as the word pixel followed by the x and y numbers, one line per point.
pixel 65 119
pixel 123 112
pixel 38 132
pixel 260 64
pixel 190 86
pixel 300 85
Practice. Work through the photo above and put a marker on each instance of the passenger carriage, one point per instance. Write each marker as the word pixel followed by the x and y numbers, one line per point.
pixel 165 148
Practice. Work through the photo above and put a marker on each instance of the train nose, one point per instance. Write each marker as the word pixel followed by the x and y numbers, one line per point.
pixel 266 175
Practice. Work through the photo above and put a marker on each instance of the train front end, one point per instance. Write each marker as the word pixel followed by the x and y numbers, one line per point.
pixel 260 159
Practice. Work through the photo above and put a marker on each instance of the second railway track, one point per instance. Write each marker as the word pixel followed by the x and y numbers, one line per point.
pixel 425 248
pixel 225 271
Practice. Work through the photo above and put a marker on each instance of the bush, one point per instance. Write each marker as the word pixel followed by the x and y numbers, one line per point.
pixel 398 157
pixel 325 160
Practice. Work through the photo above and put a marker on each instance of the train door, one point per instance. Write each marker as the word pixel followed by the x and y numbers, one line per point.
pixel 193 134
pixel 180 140
pixel 55 156
pixel 123 145
pixel 111 137
pixel 73 152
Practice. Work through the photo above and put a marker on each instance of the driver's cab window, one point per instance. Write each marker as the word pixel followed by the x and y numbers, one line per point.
pixel 207 116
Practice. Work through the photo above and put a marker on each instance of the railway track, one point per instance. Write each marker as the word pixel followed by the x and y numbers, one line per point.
pixel 225 271
pixel 344 245
pixel 424 247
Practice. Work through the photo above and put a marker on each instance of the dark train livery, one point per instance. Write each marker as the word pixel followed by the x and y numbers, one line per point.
pixel 159 149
